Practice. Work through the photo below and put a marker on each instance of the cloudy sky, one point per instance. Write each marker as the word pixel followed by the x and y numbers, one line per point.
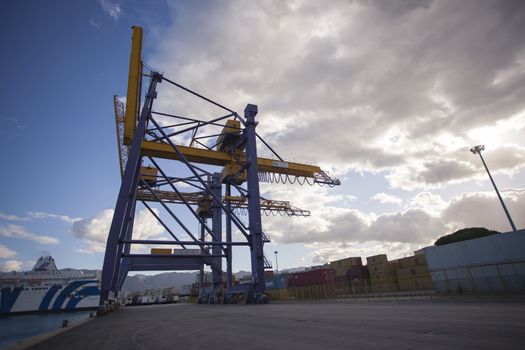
pixel 387 95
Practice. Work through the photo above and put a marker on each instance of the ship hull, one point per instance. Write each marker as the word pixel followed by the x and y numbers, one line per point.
pixel 71 296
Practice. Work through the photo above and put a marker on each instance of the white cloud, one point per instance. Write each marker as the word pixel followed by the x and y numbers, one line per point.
pixel 111 8
pixel 10 217
pixel 94 231
pixel 5 252
pixel 386 198
pixel 42 215
pixel 394 88
pixel 20 232
pixel 330 223
pixel 430 203
pixel 484 209
pixel 326 252
pixel 11 265
pixel 335 232
pixel 94 24
pixel 403 88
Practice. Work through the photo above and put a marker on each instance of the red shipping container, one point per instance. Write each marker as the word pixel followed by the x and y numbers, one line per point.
pixel 312 277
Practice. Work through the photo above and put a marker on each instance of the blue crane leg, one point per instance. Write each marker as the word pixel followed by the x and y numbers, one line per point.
pixel 216 187
pixel 229 279
pixel 254 200
pixel 123 216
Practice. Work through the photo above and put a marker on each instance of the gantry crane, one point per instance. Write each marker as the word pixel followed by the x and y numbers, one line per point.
pixel 268 206
pixel 229 142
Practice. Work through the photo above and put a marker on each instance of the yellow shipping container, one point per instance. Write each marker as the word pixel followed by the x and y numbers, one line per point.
pixel 411 261
pixel 381 268
pixel 377 259
pixel 345 264
pixel 411 284
pixel 411 272
pixel 277 294
pixel 160 251
pixel 384 287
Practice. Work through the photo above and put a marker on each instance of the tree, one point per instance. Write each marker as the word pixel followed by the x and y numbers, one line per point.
pixel 464 235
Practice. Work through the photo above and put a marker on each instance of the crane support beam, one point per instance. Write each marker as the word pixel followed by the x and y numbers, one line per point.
pixel 135 74
pixel 204 156
pixel 145 263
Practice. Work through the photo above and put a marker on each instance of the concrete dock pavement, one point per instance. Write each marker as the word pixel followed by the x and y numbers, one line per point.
pixel 372 325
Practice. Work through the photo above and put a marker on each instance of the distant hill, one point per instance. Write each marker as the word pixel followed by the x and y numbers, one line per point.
pixel 140 282
pixel 464 235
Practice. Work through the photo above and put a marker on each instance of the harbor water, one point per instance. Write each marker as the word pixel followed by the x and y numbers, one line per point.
pixel 20 327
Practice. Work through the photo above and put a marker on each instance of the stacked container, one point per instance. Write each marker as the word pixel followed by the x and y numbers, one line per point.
pixel 351 277
pixel 382 274
pixel 312 284
pixel 413 274
pixel 277 282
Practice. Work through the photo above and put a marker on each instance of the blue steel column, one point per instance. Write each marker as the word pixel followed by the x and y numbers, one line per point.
pixel 126 200
pixel 216 188
pixel 124 266
pixel 254 200
pixel 229 273
pixel 201 276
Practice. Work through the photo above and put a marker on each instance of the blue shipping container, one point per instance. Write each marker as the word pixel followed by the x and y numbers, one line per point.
pixel 276 282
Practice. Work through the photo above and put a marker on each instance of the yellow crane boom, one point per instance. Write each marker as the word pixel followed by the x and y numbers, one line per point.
pixel 230 160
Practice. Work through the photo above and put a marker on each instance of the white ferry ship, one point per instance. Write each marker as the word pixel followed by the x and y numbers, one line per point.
pixel 47 289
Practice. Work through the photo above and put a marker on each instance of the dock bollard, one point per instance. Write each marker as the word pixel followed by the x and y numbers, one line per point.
pixel 65 323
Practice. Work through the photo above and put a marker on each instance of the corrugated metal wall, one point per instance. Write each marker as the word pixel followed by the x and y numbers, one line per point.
pixel 488 265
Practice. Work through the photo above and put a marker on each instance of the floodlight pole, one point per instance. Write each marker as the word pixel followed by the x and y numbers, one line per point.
pixel 477 150
pixel 276 262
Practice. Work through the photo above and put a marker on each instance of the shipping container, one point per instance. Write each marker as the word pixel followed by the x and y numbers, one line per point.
pixel 277 294
pixel 347 288
pixel 377 259
pixel 411 272
pixel 277 282
pixel 417 283
pixel 384 288
pixel 412 261
pixel 186 251
pixel 312 277
pixel 344 264
pixel 341 279
pixel 358 273
pixel 319 291
pixel 382 268
pixel 160 251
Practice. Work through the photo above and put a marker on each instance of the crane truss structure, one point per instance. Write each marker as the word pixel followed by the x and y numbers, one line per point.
pixel 240 203
pixel 228 141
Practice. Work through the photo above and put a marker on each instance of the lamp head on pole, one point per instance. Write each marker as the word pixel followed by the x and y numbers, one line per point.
pixel 477 149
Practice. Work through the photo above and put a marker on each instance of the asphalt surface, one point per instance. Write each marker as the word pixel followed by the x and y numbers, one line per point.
pixel 373 325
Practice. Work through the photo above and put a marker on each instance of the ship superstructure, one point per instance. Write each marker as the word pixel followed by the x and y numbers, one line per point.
pixel 48 289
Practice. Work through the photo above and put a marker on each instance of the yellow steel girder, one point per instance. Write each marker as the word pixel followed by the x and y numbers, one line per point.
pixel 135 73
pixel 198 198
pixel 205 156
